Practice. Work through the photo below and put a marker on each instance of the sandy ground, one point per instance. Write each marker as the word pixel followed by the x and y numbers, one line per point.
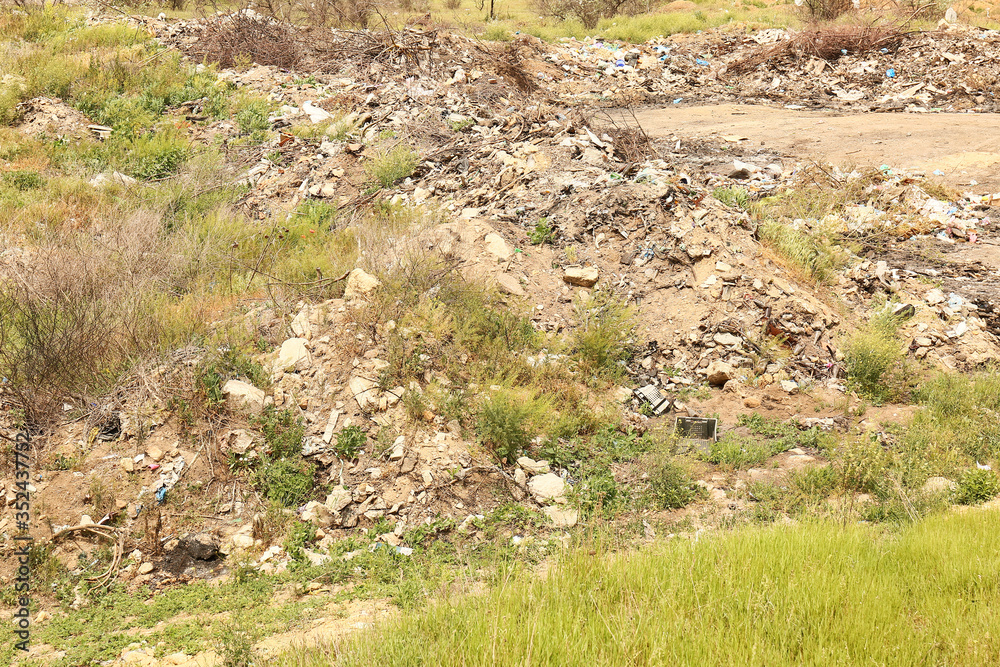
pixel 966 147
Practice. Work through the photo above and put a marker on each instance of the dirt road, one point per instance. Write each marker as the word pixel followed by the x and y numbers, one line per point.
pixel 966 147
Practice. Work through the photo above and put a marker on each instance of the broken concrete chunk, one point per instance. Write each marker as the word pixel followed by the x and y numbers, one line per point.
pixel 562 518
pixel 338 499
pixel 581 276
pixel 547 487
pixel 719 373
pixel 532 466
pixel 496 246
pixel 240 394
pixel 360 283
pixel 293 356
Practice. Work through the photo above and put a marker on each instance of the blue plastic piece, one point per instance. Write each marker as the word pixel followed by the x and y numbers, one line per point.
pixel 699 61
pixel 891 73
pixel 161 495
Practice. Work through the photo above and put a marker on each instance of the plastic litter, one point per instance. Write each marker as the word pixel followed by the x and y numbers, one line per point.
pixel 699 61
pixel 161 495
pixel 891 73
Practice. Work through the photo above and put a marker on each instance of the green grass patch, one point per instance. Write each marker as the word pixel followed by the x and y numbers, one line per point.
pixel 814 593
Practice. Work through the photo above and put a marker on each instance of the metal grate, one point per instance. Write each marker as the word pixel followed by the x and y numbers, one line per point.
pixel 650 394
pixel 697 428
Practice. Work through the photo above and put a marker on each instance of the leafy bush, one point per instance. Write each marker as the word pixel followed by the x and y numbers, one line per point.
pixel 602 343
pixel 977 486
pixel 156 156
pixel 288 482
pixel 671 485
pixel 862 465
pixel 350 440
pixel 394 165
pixel 23 179
pixel 282 431
pixel 300 535
pixel 502 427
pixel 597 493
pixel 542 233
pixel 738 452
pixel 811 253
pixel 872 354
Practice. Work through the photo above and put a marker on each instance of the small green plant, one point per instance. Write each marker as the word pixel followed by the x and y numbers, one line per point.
pixel 155 156
pixel 810 253
pixel 300 535
pixel 602 343
pixel 872 354
pixel 739 452
pixel 235 642
pixel 388 167
pixel 287 482
pixel 734 197
pixel 252 118
pixel 462 125
pixel 542 233
pixel 671 485
pixel 977 486
pixel 229 363
pixel 282 431
pixel 502 427
pixel 24 180
pixel 350 440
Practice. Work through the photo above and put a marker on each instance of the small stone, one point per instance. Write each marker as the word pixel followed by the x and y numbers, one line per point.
pixel 520 477
pixel 317 513
pixel 244 395
pixel 496 246
pixel 532 466
pixel 359 284
pixel 293 356
pixel 510 285
pixel 751 402
pixel 562 518
pixel 398 449
pixel 719 373
pixel 146 568
pixel 923 341
pixel 201 546
pixel 427 477
pixel 338 499
pixel 154 453
pixel 581 276
pixel 726 339
pixel 547 487
pixel 790 386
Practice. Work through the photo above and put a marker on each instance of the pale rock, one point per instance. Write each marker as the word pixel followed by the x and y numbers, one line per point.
pixel 547 487
pixel 520 477
pixel 532 466
pixel 175 659
pixel 427 477
pixel 790 386
pixel 496 246
pixel 338 499
pixel 146 568
pixel 398 449
pixel 154 453
pixel 244 395
pixel 562 517
pixel 364 391
pixel 510 285
pixel 581 276
pixel 727 339
pixel 317 514
pixel 293 356
pixel 719 373
pixel 360 283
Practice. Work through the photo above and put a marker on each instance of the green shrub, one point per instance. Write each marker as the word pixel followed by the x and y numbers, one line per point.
pixel 597 493
pixel 872 354
pixel 602 343
pixel 300 535
pixel 862 465
pixel 542 233
pixel 350 440
pixel 155 156
pixel 503 427
pixel 672 487
pixel 24 180
pixel 977 486
pixel 282 431
pixel 734 197
pixel 811 253
pixel 388 167
pixel 738 452
pixel 287 482
pixel 251 116
pixel 815 483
